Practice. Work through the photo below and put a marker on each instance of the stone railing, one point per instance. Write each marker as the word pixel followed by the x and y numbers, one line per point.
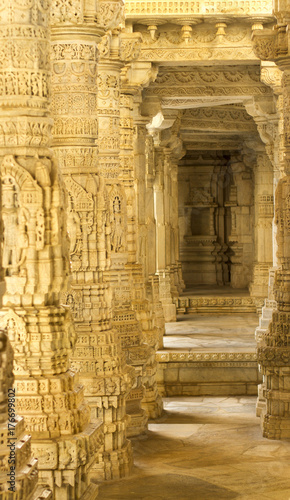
pixel 138 8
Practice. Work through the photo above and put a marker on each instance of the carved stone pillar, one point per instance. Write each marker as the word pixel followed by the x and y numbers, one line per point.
pixel 274 346
pixel 135 76
pixel 36 264
pixel 162 248
pixel 241 235
pixel 18 468
pixel 103 371
pixel 264 212
pixel 175 263
pixel 130 312
pixel 144 165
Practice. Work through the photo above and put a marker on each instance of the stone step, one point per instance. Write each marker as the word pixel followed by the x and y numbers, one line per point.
pixel 207 373
pixel 91 492
pixel 42 494
pixel 212 304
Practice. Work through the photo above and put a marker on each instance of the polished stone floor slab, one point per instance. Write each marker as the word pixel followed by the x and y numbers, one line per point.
pixel 205 448
pixel 235 333
pixel 215 291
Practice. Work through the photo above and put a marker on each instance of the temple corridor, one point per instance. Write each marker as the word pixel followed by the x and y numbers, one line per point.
pixel 144 249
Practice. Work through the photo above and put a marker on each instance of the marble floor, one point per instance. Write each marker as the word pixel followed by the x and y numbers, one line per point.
pixel 219 333
pixel 205 448
pixel 215 291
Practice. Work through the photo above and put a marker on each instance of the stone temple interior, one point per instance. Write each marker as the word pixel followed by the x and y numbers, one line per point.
pixel 145 249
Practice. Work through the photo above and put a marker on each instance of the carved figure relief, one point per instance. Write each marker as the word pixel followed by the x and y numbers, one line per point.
pixel 117 235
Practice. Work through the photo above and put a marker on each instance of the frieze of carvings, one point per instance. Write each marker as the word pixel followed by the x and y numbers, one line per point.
pixel 215 119
pixel 73 52
pixel 212 145
pixel 77 158
pixel 19 83
pixel 216 125
pixel 184 76
pixel 235 115
pixel 207 90
pixel 197 54
pixel 74 127
pixel 76 103
pixel 27 131
pixel 225 303
pixel 193 7
pixel 166 357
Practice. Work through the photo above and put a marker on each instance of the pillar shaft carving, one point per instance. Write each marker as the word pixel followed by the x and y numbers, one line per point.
pixel 36 264
pixel 242 221
pixel 77 90
pixel 146 253
pixel 273 343
pixel 132 316
pixel 133 78
pixel 163 231
pixel 18 468
pixel 264 213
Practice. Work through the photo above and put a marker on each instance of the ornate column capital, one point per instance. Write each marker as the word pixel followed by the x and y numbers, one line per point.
pixel 100 15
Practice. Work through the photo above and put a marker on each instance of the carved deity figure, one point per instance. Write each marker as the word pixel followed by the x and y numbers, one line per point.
pixel 117 230
pixel 15 240
pixel 73 224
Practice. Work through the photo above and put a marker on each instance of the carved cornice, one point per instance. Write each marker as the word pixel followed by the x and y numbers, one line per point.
pixel 227 120
pixel 239 81
pixel 202 357
pixel 138 9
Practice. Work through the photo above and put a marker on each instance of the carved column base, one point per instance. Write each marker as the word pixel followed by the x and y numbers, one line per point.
pixel 115 464
pixel 18 467
pixel 135 325
pixel 275 418
pixel 180 282
pixel 260 282
pixel 152 401
pixel 64 463
pixel 261 401
pixel 138 418
pixel 274 404
pixel 153 295
pixel 169 308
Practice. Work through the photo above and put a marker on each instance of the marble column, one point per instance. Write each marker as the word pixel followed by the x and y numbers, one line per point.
pixel 36 265
pixel 264 212
pixel 242 214
pixel 133 78
pixel 274 346
pixel 98 356
pixel 162 233
pixel 131 313
pixel 19 475
pixel 146 254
